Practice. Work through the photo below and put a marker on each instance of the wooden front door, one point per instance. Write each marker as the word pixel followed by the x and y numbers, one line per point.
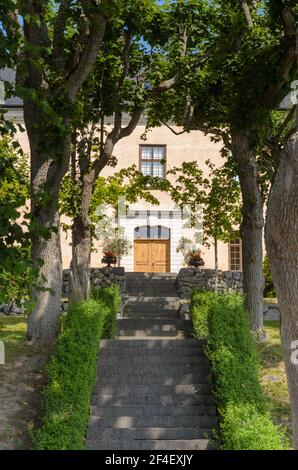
pixel 152 256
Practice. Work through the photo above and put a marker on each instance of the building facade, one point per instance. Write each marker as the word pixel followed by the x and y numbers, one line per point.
pixel 154 232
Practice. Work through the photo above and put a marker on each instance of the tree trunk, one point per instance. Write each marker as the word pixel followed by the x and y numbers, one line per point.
pixel 282 247
pixel 82 244
pixel 43 322
pixel 251 230
pixel 81 259
pixel 47 171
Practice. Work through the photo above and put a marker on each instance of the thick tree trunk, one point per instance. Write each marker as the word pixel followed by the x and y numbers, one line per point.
pixel 43 322
pixel 282 247
pixel 47 171
pixel 251 230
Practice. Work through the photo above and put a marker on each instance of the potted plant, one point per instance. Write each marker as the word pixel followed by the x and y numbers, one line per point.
pixel 194 259
pixel 109 258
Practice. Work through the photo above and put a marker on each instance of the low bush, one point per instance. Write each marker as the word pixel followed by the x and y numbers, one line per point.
pixel 71 372
pixel 244 420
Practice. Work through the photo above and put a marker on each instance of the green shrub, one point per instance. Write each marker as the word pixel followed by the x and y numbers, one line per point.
pixel 269 290
pixel 71 373
pixel 245 423
pixel 110 296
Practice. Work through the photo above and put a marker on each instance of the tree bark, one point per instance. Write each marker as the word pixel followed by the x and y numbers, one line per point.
pixel 47 172
pixel 251 229
pixel 82 244
pixel 282 246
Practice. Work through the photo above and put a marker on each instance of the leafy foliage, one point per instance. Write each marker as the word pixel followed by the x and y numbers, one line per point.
pixel 245 423
pixel 218 196
pixel 269 290
pixel 16 274
pixel 71 373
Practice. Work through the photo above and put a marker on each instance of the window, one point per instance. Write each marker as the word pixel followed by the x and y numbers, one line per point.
pixel 235 254
pixel 152 233
pixel 152 160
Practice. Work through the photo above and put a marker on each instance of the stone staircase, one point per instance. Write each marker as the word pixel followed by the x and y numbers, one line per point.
pixel 153 390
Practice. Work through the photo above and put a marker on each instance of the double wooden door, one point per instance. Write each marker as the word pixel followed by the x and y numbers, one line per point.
pixel 152 256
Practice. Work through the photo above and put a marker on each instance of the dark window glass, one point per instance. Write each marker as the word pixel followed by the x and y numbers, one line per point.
pixel 152 233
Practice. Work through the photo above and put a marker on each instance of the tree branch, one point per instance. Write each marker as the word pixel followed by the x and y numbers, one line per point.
pixel 97 31
pixel 173 130
pixel 288 22
pixel 58 37
pixel 247 15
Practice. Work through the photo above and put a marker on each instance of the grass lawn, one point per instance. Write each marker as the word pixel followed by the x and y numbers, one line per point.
pixel 12 333
pixel 273 376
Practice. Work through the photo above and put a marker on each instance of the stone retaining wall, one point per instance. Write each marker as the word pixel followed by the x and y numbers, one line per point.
pixel 228 281
pixel 100 277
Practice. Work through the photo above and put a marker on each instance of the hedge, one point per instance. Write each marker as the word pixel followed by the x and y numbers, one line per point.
pixel 244 420
pixel 72 370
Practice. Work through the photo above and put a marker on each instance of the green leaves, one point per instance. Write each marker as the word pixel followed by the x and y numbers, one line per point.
pixel 16 274
pixel 245 423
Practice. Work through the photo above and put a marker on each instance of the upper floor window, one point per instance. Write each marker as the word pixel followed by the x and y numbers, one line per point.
pixel 152 160
pixel 235 254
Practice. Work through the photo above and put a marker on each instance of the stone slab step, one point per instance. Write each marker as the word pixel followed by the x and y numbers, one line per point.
pixel 154 361
pixel 100 433
pixel 142 379
pixel 197 444
pixel 162 314
pixel 163 353
pixel 119 422
pixel 174 390
pixel 153 399
pixel 170 301
pixel 130 370
pixel 180 413
pixel 151 291
pixel 152 344
pixel 156 327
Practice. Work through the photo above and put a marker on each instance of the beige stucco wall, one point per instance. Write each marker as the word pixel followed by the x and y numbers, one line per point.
pixel 185 147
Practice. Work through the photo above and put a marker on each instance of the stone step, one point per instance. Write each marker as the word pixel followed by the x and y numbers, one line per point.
pixel 130 351
pixel 100 433
pixel 157 327
pixel 153 379
pixel 165 422
pixel 130 370
pixel 152 291
pixel 153 361
pixel 184 415
pixel 171 300
pixel 197 444
pixel 161 314
pixel 134 275
pixel 153 399
pixel 142 344
pixel 125 390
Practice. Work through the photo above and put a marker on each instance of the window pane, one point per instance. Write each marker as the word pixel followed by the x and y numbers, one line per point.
pixel 146 153
pixel 146 169
pixel 159 153
pixel 158 170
